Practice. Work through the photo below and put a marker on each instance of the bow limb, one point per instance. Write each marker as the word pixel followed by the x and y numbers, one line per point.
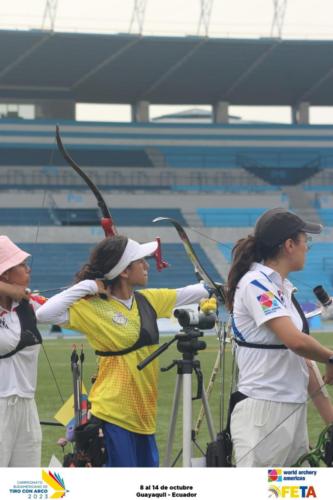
pixel 106 221
pixel 322 452
pixel 199 270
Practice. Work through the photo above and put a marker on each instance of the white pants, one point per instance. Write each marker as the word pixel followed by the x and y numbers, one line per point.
pixel 20 433
pixel 265 434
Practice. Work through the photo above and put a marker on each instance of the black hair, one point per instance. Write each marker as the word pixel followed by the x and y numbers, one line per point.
pixel 245 252
pixel 103 258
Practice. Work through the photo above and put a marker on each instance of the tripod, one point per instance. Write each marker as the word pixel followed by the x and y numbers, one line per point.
pixel 188 344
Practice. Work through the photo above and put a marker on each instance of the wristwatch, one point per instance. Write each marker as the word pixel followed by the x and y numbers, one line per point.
pixel 330 360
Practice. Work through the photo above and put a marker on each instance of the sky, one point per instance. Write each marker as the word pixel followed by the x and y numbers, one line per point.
pixel 304 19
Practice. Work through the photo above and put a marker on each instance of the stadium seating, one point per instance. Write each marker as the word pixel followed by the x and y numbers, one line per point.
pixel 318 271
pixel 126 157
pixel 229 217
pixel 237 170
pixel 54 265
pixel 26 217
pixel 127 217
pixel 326 215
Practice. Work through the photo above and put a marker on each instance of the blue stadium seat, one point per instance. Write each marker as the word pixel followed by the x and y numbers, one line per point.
pixel 326 215
pixel 318 271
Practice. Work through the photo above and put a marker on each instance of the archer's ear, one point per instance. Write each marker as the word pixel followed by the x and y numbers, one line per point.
pixel 124 274
pixel 288 245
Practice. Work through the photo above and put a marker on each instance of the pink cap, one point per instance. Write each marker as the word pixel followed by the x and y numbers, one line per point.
pixel 10 254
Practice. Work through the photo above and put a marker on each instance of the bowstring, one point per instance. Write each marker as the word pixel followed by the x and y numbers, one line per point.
pixel 45 192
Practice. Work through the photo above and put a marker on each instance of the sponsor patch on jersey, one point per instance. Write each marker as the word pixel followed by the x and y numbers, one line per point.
pixel 268 302
pixel 119 319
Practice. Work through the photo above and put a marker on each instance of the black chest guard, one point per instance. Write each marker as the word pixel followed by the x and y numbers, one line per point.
pixel 30 334
pixel 149 334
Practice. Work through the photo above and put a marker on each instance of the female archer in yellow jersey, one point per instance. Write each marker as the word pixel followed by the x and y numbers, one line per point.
pixel 121 326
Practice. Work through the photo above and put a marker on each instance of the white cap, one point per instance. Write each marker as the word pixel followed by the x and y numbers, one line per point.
pixel 133 251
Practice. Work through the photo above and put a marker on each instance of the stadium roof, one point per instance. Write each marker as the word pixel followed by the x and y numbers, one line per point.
pixel 127 68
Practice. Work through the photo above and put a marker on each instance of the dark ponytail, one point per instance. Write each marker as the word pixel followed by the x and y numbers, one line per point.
pixel 103 258
pixel 245 252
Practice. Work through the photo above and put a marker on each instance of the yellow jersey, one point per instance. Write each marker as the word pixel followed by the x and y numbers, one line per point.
pixel 122 394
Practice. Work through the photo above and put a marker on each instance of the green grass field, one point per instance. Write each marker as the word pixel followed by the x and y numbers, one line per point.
pixel 59 352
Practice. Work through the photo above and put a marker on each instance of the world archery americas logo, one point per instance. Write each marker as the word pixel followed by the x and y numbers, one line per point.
pixel 286 491
pixel 267 301
pixel 274 475
pixel 56 482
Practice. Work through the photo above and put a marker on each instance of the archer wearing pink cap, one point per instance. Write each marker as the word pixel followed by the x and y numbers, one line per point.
pixel 10 254
pixel 20 444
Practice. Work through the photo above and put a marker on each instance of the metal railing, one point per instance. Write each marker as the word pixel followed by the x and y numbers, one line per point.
pixel 130 178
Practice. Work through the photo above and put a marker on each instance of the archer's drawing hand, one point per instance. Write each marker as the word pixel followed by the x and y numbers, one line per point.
pixel 103 289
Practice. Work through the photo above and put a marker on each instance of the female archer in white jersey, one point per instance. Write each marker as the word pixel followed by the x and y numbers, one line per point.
pixel 268 423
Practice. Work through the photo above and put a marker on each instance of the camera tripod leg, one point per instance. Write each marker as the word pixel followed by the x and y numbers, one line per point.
pixel 187 420
pixel 183 381
pixel 173 420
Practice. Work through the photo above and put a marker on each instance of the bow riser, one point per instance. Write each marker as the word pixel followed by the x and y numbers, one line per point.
pixel 106 221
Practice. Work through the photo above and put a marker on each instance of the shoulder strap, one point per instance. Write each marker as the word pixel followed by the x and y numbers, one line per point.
pixel 30 334
pixel 252 345
pixel 305 327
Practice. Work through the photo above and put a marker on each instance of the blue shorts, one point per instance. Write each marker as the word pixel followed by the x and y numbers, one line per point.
pixel 129 449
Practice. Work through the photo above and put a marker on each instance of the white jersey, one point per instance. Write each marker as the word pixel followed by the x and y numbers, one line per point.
pixel 270 374
pixel 18 373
